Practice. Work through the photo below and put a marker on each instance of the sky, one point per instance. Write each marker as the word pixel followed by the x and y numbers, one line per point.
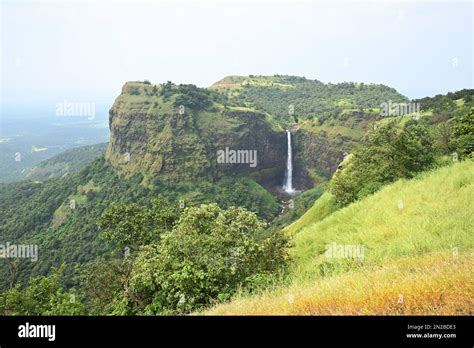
pixel 86 50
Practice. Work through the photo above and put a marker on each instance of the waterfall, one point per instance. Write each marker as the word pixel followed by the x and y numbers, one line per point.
pixel 288 185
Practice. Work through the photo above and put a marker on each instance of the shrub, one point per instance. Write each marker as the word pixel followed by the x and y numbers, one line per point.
pixel 133 90
pixel 133 225
pixel 44 295
pixel 193 97
pixel 463 134
pixel 386 155
pixel 209 254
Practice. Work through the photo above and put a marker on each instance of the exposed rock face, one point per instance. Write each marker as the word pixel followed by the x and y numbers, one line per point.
pixel 151 135
pixel 252 133
pixel 318 150
pixel 315 155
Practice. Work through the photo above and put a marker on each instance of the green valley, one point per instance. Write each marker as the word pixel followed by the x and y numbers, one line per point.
pixel 153 222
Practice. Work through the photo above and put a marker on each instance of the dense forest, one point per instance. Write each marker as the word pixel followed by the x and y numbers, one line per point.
pixel 301 98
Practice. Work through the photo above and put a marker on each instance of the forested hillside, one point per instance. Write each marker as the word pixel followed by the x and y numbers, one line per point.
pixel 159 226
pixel 301 98
pixel 70 161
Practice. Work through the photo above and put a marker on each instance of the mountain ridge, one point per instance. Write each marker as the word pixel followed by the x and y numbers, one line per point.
pixel 174 130
pixel 60 215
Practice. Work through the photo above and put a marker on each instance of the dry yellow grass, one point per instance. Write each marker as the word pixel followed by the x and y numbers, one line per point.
pixel 437 284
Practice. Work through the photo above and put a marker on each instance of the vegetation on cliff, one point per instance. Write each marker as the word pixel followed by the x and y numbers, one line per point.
pixel 158 226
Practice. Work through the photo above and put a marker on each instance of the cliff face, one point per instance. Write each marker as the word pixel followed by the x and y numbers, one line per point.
pixel 163 133
pixel 176 133
pixel 318 149
pixel 331 118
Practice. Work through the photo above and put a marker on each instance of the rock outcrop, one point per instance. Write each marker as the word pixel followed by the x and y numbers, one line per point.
pixel 154 134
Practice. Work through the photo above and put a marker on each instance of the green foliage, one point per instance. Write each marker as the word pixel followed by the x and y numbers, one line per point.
pixel 104 284
pixel 446 103
pixel 133 225
pixel 301 204
pixel 206 258
pixel 386 155
pixel 133 90
pixel 126 225
pixel 463 134
pixel 67 162
pixel 42 296
pixel 229 191
pixel 275 94
pixel 167 90
pixel 28 210
pixel 244 192
pixel 193 97
pixel 40 213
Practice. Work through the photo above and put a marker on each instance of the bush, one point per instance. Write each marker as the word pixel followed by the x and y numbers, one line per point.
pixel 386 155
pixel 463 135
pixel 206 258
pixel 103 283
pixel 133 225
pixel 193 97
pixel 167 90
pixel 133 90
pixel 42 296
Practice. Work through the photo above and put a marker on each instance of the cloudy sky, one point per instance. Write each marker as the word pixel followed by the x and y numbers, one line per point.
pixel 86 50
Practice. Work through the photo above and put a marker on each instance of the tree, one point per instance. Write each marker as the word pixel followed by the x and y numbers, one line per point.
pixel 105 285
pixel 132 225
pixel 44 295
pixel 167 90
pixel 193 97
pixel 443 132
pixel 389 153
pixel 207 256
pixel 463 134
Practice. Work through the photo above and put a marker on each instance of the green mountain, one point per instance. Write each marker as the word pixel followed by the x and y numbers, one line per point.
pixel 291 98
pixel 168 140
pixel 331 118
pixel 175 132
pixel 67 162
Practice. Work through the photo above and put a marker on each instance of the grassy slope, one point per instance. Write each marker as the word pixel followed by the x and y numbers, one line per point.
pixel 418 256
pixel 323 207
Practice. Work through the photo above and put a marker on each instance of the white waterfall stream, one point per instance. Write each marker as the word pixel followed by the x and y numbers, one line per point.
pixel 288 185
